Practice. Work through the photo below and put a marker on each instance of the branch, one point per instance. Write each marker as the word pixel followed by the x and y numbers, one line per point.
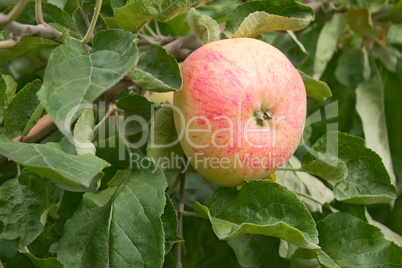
pixel 41 130
pixel 183 46
pixel 19 29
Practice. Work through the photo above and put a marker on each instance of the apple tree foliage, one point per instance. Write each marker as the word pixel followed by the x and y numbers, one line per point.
pixel 73 74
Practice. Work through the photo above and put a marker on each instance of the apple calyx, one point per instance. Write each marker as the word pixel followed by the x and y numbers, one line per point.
pixel 263 117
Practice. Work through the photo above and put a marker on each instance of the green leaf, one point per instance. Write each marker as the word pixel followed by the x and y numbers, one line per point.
pixel 50 161
pixel 394 35
pixel 288 44
pixel 372 5
pixel 163 143
pixel 253 18
pixel 258 251
pixel 119 227
pixel 75 77
pixel 23 111
pixel 11 88
pixel 367 181
pixel 309 188
pixel 260 207
pixel 388 233
pixel 3 88
pixel 51 14
pixel 169 219
pixel 349 69
pixel 370 107
pixel 392 95
pixel 84 133
pixel 202 248
pixel 24 203
pixel 136 105
pixel 329 168
pixel 206 28
pixel 349 241
pixel 45 262
pixel 157 71
pixel 314 88
pixel 24 46
pixel 80 22
pixel 327 42
pixel 136 14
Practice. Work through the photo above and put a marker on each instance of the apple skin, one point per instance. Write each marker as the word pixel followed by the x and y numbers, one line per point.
pixel 230 87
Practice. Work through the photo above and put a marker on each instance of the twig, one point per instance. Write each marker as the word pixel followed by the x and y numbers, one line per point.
pixel 149 29
pixel 182 46
pixel 148 39
pixel 189 213
pixel 14 13
pixel 38 12
pixel 19 29
pixel 91 28
pixel 111 109
pixel 174 185
pixel 182 176
pixel 158 31
pixel 309 197
pixel 41 130
pixel 10 42
pixel 18 170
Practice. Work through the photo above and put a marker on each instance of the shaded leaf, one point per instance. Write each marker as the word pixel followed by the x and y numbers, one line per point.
pixel 258 250
pixel 253 18
pixel 169 219
pixel 157 71
pixel 314 88
pixel 388 233
pixel 367 181
pixel 288 44
pixel 206 29
pixel 84 133
pixel 82 28
pixel 11 87
pixel 44 262
pixel 329 168
pixel 136 14
pixel 327 42
pixel 51 14
pixel 119 227
pixel 23 111
pixel 304 184
pixel 163 143
pixel 25 45
pixel 349 241
pixel 50 161
pixel 136 105
pixel 372 5
pixel 202 248
pixel 350 67
pixel 24 203
pixel 260 207
pixel 74 77
pixel 370 107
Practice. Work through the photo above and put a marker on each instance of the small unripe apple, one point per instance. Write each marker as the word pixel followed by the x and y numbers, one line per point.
pixel 241 110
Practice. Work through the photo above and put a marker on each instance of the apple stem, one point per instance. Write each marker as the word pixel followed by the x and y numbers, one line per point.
pixel 263 117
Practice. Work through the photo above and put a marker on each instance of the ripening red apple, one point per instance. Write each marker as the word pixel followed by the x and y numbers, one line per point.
pixel 241 110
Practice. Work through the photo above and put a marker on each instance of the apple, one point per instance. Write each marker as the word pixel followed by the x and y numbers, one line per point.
pixel 241 111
